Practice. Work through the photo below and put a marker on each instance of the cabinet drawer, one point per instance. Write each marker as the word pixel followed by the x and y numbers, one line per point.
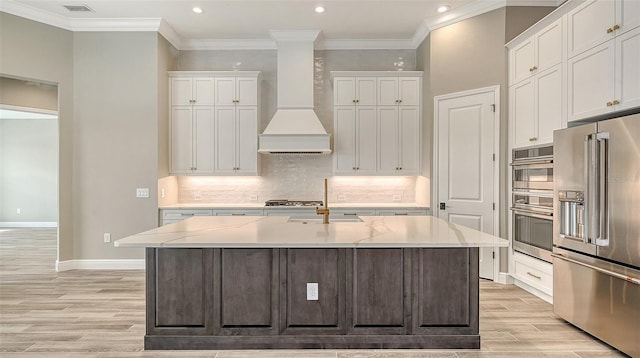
pixel 411 212
pixel 256 212
pixel 185 213
pixel 536 274
pixel 348 212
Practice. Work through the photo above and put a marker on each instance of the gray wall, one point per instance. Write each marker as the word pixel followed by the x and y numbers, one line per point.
pixel 28 94
pixel 520 18
pixel 28 170
pixel 115 139
pixel 31 50
pixel 167 61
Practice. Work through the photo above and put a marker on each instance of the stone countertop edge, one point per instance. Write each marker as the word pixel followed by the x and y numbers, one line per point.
pixel 277 232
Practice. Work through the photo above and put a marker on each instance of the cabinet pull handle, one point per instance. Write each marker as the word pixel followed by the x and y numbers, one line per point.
pixel 237 214
pixel 609 104
pixel 616 27
pixel 534 276
pixel 535 68
pixel 401 214
pixel 616 102
pixel 609 30
pixel 184 214
pixel 350 214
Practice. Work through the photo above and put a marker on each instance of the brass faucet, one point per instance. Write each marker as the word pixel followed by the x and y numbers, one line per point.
pixel 324 212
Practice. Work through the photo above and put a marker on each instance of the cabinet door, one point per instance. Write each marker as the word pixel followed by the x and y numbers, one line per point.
pixel 181 140
pixel 522 113
pixel 409 146
pixel 181 91
pixel 344 148
pixel 226 140
pixel 365 139
pixel 548 46
pixel 225 92
pixel 247 91
pixel 203 134
pixel 203 91
pixel 388 140
pixel 521 61
pixel 627 15
pixel 344 91
pixel 409 91
pixel 247 124
pixel 591 82
pixel 588 25
pixel 549 92
pixel 387 91
pixel 628 70
pixel 366 91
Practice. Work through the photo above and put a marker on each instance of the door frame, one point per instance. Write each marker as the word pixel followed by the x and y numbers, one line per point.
pixel 496 167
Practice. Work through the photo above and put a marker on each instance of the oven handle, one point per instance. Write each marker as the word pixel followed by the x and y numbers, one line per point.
pixel 531 161
pixel 630 279
pixel 534 214
pixel 536 165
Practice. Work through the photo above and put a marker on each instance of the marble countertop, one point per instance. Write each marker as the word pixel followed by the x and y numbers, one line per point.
pixel 339 205
pixel 278 232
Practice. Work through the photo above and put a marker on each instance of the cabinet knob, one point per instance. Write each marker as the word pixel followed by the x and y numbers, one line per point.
pixel 609 104
pixel 616 27
pixel 609 30
pixel 354 101
pixel 400 168
pixel 357 168
pixel 616 102
pixel 399 101
pixel 357 101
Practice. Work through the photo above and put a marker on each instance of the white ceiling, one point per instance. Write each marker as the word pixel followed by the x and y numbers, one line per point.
pixel 377 22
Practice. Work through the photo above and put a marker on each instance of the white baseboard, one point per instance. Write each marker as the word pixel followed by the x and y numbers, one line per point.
pixel 534 291
pixel 28 224
pixel 504 278
pixel 121 264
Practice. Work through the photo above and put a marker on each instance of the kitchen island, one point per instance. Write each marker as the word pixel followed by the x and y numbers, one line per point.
pixel 281 282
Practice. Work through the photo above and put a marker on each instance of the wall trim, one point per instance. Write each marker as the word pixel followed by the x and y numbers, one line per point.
pixel 504 278
pixel 475 8
pixel 107 264
pixel 28 224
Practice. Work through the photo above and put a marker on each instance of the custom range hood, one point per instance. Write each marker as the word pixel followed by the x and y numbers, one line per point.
pixel 295 128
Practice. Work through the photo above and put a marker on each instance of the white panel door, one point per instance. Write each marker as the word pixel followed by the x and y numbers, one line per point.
pixel 387 91
pixel 465 166
pixel 203 133
pixel 409 91
pixel 548 47
pixel 522 113
pixel 247 147
pixel 203 90
pixel 521 62
pixel 247 91
pixel 388 140
pixel 366 91
pixel 181 91
pixel 549 95
pixel 225 91
pixel 226 140
pixel 409 127
pixel 181 140
pixel 628 70
pixel 344 148
pixel 365 137
pixel 588 25
pixel 591 82
pixel 344 91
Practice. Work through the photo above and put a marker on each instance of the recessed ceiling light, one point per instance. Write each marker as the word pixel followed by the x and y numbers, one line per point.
pixel 197 10
pixel 319 9
pixel 443 8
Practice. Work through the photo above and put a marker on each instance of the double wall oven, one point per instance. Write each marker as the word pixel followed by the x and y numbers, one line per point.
pixel 532 201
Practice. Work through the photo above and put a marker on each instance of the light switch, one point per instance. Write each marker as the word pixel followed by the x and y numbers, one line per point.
pixel 312 291
pixel 142 192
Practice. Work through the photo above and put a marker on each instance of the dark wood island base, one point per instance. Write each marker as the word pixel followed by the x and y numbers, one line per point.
pixel 256 298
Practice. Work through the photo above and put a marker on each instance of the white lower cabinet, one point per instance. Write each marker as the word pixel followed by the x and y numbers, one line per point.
pixel 353 212
pixel 170 216
pixel 403 212
pixel 530 273
pixel 243 212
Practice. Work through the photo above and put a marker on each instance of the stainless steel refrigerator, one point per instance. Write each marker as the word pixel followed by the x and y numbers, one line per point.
pixel 596 234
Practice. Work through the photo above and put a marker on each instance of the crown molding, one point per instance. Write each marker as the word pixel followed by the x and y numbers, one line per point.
pixel 365 44
pixel 116 25
pixel 35 14
pixel 170 34
pixel 228 44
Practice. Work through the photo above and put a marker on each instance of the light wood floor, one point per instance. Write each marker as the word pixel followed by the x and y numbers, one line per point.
pixel 101 314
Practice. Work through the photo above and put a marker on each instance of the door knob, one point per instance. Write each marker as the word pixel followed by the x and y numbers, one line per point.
pixel 443 206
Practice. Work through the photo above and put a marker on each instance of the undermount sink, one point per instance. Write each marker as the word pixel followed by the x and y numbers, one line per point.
pixel 318 219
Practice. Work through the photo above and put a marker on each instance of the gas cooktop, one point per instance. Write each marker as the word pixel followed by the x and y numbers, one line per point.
pixel 293 203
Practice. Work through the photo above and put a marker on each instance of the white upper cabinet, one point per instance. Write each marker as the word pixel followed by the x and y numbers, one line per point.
pixel 354 90
pixel 377 129
pixel 214 120
pixel 404 91
pixel 192 91
pixel 240 91
pixel 537 54
pixel 627 72
pixel 597 21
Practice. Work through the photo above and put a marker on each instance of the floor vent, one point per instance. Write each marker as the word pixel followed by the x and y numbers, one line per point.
pixel 78 8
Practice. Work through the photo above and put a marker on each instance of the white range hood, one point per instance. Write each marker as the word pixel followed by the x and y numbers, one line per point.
pixel 295 128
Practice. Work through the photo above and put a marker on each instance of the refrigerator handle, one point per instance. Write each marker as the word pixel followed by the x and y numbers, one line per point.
pixel 586 238
pixel 603 163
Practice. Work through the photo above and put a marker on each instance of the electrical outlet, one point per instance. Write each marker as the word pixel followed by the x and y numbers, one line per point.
pixel 107 237
pixel 142 192
pixel 253 197
pixel 397 197
pixel 18 210
pixel 162 193
pixel 342 197
pixel 312 291
pixel 197 195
